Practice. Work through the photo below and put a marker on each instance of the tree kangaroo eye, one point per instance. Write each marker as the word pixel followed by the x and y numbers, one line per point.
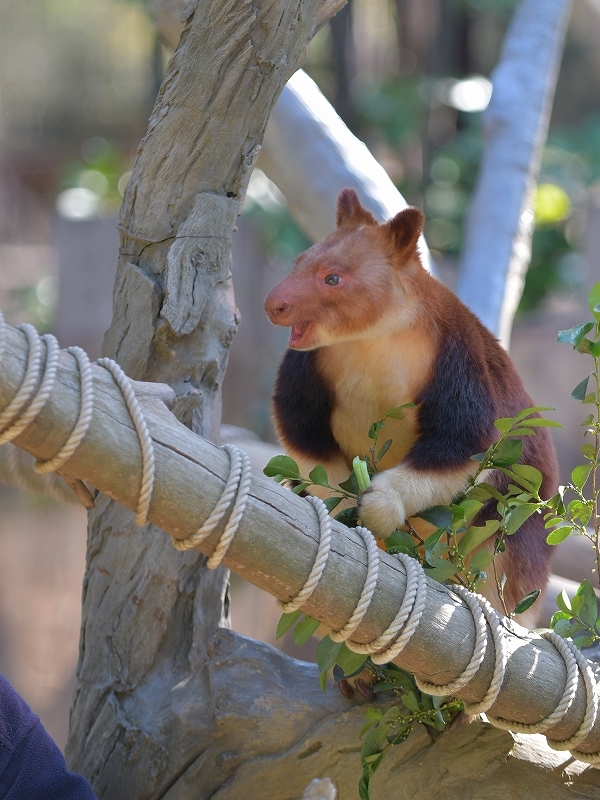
pixel 332 280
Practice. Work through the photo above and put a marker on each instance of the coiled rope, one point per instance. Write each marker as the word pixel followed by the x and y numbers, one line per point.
pixel 28 403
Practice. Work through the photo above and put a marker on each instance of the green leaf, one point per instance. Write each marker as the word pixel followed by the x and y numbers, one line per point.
pixel 481 560
pixel 400 677
pixel 588 420
pixel 402 733
pixel 300 487
pixel 285 623
pixel 323 681
pixel 577 602
pixel 590 398
pixel 397 413
pixel 552 521
pixel 470 509
pixel 563 602
pixel 411 702
pixel 327 653
pixel 489 490
pixel 332 502
pixel 584 641
pixel 476 536
pixel 400 541
pixel 580 475
pixel 375 740
pixel 594 349
pixel 504 424
pixel 587 451
pixel 440 516
pixel 349 517
pixel 363 786
pixel 567 627
pixel 350 485
pixel 559 615
pixel 374 429
pixel 580 391
pixel 589 608
pixel 384 448
pixel 305 629
pixel 373 715
pixel 384 686
pixel 350 662
pixel 542 422
pixel 522 432
pixel 507 453
pixel 392 714
pixel 594 300
pixel 442 572
pixel 518 516
pixel 437 553
pixel 575 335
pixel 558 535
pixel 532 475
pixel 526 412
pixel 431 541
pixel 282 465
pixel 527 601
pixel 318 475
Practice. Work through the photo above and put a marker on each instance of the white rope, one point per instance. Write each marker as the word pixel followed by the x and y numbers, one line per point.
pixel 478 651
pixel 368 588
pixel 238 486
pixel 86 407
pixel 43 393
pixel 237 511
pixel 492 618
pixel 139 422
pixel 409 615
pixel 323 551
pixel 32 369
pixel 27 404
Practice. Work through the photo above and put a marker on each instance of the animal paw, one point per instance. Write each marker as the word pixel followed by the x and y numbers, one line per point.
pixel 381 509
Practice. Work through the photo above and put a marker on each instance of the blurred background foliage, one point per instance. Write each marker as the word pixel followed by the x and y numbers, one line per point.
pixel 409 77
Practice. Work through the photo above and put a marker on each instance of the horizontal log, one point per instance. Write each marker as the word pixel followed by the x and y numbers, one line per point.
pixel 276 543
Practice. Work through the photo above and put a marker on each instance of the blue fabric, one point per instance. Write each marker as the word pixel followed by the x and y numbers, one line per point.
pixel 31 765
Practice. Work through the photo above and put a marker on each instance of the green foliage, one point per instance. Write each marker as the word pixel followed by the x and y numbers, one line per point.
pixel 384 729
pixel 575 508
pixel 578 618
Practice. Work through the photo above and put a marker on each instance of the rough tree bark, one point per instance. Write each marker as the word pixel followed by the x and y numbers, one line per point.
pixel 500 222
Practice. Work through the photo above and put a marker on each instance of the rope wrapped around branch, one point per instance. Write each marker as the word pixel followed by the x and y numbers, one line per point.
pixel 34 392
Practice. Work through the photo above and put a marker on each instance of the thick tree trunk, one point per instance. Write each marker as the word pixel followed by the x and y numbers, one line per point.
pixel 149 703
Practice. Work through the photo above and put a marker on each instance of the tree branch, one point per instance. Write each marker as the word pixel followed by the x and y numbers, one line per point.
pixel 277 542
pixel 500 222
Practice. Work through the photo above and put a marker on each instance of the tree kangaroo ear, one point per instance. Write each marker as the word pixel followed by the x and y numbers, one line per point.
pixel 405 229
pixel 350 213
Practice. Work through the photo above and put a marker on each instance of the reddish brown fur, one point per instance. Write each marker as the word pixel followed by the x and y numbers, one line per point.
pixel 386 334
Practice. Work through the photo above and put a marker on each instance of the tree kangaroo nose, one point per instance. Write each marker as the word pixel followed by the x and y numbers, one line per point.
pixel 274 306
